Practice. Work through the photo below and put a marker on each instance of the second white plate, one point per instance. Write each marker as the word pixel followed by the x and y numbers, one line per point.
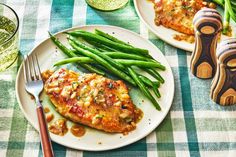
pixel 146 13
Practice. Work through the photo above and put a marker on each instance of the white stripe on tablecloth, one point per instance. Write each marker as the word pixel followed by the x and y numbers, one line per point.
pixel 176 114
pixel 206 114
pixel 225 153
pixel 168 48
pixel 4 135
pixel 31 136
pixel 6 77
pixel 188 59
pixel 31 152
pixel 73 153
pixel 6 112
pixel 151 138
pixel 79 13
pixel 216 136
pixel 3 152
pixel 180 136
pixel 43 21
pixel 172 60
pixel 215 114
pixel 143 30
pixel 182 153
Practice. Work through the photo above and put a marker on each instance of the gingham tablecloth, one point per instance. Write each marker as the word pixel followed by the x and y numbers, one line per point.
pixel 195 126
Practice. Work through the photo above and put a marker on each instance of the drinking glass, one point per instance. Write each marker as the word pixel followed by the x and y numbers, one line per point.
pixel 107 5
pixel 9 25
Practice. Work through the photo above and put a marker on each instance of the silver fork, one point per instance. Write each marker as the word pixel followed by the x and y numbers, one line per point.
pixel 34 86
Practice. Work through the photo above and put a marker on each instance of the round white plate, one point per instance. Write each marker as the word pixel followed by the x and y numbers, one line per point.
pixel 146 13
pixel 95 140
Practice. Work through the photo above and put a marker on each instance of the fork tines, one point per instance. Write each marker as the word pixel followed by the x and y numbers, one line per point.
pixel 31 68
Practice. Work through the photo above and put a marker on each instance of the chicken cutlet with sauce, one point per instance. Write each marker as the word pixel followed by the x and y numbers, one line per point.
pixel 92 100
pixel 178 15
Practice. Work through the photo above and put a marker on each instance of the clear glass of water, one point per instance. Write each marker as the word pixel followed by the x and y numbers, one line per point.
pixel 9 25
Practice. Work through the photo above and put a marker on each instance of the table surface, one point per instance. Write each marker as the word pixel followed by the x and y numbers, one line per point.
pixel 195 126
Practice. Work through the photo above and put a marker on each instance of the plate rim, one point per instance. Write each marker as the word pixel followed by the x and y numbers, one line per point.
pixel 88 149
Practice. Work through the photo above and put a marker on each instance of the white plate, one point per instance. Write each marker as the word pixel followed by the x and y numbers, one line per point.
pixel 146 13
pixel 47 55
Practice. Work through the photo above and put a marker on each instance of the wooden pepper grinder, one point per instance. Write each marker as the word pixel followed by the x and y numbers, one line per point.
pixel 207 26
pixel 223 89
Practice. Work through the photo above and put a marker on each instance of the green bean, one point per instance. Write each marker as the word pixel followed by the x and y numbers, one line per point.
pixel 157 83
pixel 143 88
pixel 156 91
pixel 122 55
pixel 149 82
pixel 103 48
pixel 70 53
pixel 220 2
pixel 152 84
pixel 116 54
pixel 61 46
pixel 87 60
pixel 105 57
pixel 110 37
pixel 100 46
pixel 103 62
pixel 74 59
pixel 226 21
pixel 145 80
pixel 144 64
pixel 230 10
pixel 232 6
pixel 107 42
pixel 126 56
pixel 121 63
pixel 155 74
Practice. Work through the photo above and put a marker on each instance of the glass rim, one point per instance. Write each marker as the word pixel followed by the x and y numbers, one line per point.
pixel 17 19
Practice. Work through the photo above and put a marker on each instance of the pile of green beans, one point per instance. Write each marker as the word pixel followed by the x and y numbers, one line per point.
pixel 70 53
pixel 99 50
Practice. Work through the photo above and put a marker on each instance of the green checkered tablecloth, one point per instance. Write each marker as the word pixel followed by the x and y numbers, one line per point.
pixel 195 126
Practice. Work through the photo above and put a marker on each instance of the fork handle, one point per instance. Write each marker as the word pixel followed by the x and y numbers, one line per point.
pixel 44 135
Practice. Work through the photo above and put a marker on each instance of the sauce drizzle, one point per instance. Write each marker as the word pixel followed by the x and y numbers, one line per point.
pixel 59 127
pixel 78 130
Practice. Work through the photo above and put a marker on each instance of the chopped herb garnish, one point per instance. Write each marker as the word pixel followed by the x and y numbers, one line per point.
pixel 99 116
pixel 101 92
pixel 123 107
pixel 110 85
pixel 186 7
pixel 75 85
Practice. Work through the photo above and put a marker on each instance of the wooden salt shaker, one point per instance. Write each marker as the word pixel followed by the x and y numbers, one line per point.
pixel 207 26
pixel 223 89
